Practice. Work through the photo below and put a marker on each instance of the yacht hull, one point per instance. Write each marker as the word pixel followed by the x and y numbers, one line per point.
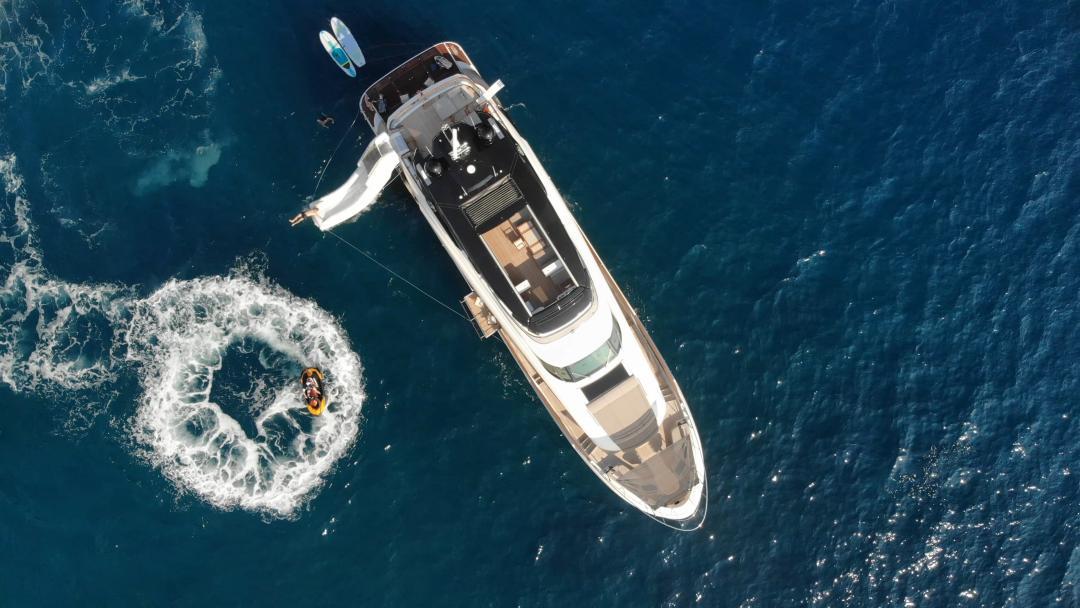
pixel 661 471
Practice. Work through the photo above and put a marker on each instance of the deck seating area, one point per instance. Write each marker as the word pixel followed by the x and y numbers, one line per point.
pixel 391 91
pixel 530 262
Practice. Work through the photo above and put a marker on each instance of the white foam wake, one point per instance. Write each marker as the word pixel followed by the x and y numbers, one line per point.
pixel 51 331
pixel 179 336
pixel 73 340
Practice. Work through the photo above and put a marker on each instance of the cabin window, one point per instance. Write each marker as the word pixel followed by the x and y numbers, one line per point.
pixel 593 362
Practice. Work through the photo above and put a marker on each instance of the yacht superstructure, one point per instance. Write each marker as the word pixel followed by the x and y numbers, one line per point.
pixel 536 280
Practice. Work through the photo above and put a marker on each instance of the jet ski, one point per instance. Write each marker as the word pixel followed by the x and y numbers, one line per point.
pixel 312 384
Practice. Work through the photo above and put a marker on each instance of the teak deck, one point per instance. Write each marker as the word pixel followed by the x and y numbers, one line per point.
pixel 523 252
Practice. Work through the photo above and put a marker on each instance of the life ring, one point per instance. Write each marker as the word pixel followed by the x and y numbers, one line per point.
pixel 316 409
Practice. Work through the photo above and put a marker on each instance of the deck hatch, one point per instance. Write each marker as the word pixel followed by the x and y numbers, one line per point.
pixel 494 202
pixel 606 382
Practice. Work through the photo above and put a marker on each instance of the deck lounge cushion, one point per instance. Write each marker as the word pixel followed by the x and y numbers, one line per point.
pixel 664 478
pixel 625 414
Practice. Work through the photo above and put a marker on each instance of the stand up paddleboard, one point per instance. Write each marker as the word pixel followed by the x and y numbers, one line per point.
pixel 348 43
pixel 337 53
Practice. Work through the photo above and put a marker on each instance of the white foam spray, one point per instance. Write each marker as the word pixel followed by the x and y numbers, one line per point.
pixel 179 335
pixel 72 342
pixel 51 331
pixel 57 337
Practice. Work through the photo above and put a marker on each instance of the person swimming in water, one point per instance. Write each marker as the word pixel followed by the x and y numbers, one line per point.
pixel 324 120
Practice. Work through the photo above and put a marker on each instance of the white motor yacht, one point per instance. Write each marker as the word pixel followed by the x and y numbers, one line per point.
pixel 536 280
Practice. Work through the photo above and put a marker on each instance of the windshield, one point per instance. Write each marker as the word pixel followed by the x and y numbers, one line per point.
pixel 593 362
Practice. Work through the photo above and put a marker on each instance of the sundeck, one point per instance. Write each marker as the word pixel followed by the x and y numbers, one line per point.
pixel 536 280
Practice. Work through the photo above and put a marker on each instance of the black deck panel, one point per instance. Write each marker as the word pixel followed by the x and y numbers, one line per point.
pixel 606 382
pixel 494 163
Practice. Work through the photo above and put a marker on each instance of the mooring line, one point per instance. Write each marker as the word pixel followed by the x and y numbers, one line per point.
pixel 318 182
pixel 389 270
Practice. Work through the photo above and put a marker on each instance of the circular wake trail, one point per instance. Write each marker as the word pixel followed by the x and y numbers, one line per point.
pixel 70 341
pixel 179 336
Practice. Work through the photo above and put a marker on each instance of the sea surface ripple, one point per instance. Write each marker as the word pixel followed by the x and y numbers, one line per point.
pixel 852 228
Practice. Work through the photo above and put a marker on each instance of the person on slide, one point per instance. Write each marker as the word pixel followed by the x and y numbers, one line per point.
pixel 303 215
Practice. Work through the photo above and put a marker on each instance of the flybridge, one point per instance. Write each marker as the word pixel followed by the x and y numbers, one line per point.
pixel 492 202
pixel 382 158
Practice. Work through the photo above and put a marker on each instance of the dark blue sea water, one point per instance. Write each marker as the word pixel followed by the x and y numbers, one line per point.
pixel 852 227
